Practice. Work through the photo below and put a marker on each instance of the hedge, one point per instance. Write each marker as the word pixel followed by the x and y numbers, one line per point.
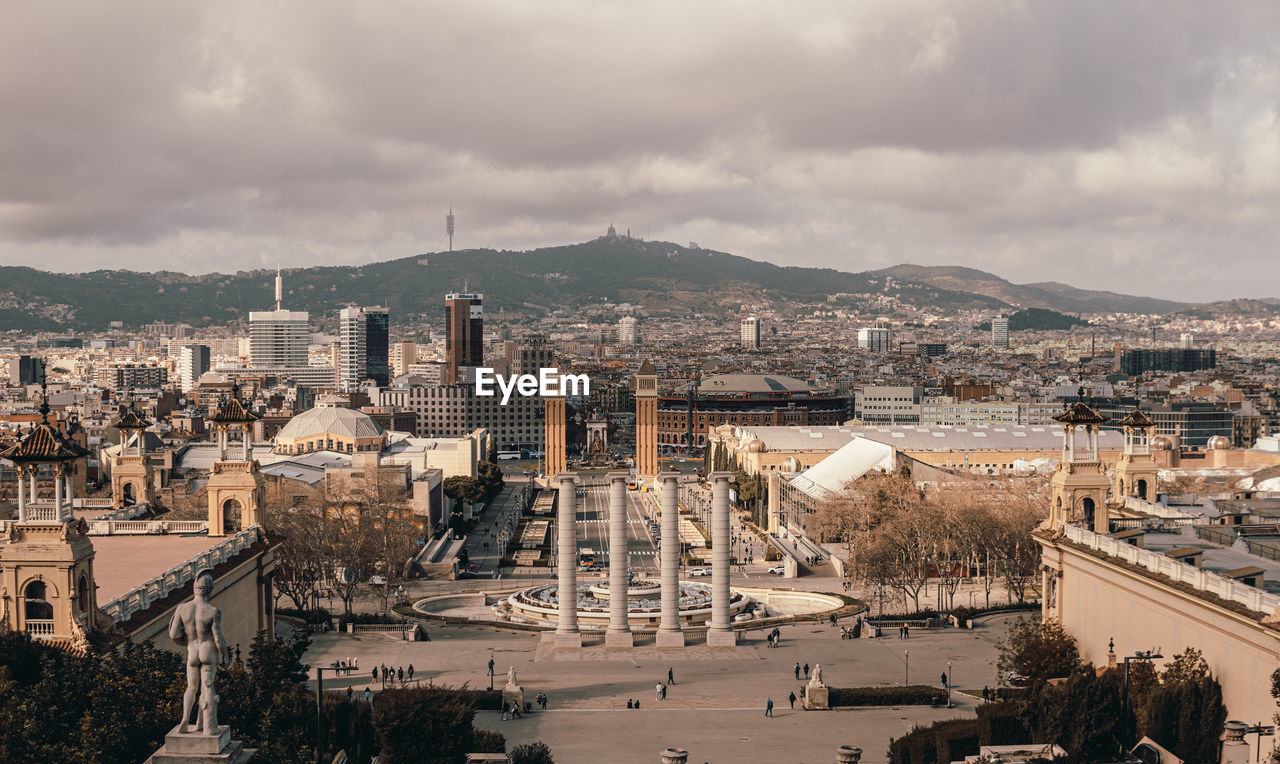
pixel 913 695
pixel 950 740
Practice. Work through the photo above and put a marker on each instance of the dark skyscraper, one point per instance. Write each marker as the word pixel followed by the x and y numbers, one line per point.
pixel 464 333
pixel 365 351
pixel 25 370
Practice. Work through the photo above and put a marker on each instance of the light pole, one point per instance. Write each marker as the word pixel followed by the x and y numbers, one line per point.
pixel 320 711
pixel 950 681
pixel 906 677
pixel 1140 655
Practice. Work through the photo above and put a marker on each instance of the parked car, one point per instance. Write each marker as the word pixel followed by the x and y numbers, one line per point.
pixel 699 571
pixel 778 570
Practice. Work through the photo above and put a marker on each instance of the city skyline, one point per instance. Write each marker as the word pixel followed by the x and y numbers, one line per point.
pixel 1135 146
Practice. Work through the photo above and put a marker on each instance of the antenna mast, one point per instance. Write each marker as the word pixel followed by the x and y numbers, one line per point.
pixel 279 289
pixel 448 226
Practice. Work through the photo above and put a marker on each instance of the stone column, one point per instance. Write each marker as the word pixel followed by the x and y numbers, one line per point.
pixel 57 491
pixel 70 489
pixel 675 756
pixel 669 633
pixel 22 492
pixel 619 633
pixel 720 634
pixel 567 634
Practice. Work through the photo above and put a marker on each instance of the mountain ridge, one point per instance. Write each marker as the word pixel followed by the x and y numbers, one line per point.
pixel 665 278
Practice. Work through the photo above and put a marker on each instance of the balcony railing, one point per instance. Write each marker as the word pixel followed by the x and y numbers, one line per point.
pixel 145 527
pixel 41 628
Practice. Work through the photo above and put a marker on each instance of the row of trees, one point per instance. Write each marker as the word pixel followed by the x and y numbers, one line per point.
pixel 101 709
pixel 897 535
pixel 363 527
pixel 1088 712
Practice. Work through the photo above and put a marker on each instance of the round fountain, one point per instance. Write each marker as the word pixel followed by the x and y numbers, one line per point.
pixel 540 605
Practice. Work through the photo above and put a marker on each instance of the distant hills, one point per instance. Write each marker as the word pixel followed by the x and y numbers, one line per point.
pixel 663 277
pixel 1048 295
pixel 1038 319
pixel 1233 309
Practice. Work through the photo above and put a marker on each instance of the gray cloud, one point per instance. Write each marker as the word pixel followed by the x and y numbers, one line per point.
pixel 1086 142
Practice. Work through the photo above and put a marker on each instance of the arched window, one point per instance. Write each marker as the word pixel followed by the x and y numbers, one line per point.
pixel 126 494
pixel 82 594
pixel 1087 505
pixel 231 521
pixel 1142 489
pixel 37 606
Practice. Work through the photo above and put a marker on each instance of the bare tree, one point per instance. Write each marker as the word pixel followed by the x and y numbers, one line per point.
pixel 299 566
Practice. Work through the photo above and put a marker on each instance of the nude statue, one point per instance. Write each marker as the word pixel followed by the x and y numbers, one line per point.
pixel 511 676
pixel 198 626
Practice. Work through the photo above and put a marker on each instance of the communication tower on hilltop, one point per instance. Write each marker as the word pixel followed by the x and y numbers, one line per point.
pixel 448 226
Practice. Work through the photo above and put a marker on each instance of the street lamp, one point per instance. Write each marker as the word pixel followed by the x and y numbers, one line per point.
pixel 950 681
pixel 491 669
pixel 906 677
pixel 1140 655
pixel 320 711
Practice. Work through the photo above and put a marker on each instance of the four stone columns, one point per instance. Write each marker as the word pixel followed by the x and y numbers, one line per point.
pixel 669 633
pixel 619 633
pixel 720 634
pixel 567 634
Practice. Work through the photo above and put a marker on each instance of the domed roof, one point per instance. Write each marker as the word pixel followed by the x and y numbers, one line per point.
pixel 1219 442
pixel 755 446
pixel 330 420
pixel 1164 443
pixel 752 383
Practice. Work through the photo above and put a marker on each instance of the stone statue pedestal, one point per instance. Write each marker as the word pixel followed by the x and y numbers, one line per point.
pixel 199 748
pixel 570 639
pixel 513 694
pixel 725 638
pixel 817 699
pixel 619 639
pixel 673 638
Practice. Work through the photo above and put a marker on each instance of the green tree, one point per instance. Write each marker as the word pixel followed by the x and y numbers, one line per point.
pixel 267 702
pixel 1085 715
pixel 1038 650
pixel 536 752
pixel 1185 713
pixel 425 725
pixel 491 479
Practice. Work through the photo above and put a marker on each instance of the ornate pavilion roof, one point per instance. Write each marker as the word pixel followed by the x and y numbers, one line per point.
pixel 130 419
pixel 232 411
pixel 1136 419
pixel 43 444
pixel 647 368
pixel 1080 413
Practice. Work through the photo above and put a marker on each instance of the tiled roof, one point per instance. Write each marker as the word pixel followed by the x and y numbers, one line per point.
pixel 43 444
pixel 232 411
pixel 129 419
pixel 1080 413
pixel 1136 419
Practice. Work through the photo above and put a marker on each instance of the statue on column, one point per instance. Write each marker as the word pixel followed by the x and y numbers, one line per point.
pixel 197 625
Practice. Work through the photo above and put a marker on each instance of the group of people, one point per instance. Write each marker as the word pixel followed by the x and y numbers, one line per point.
pixel 633 703
pixel 904 632
pixel 806 671
pixel 775 637
pixel 854 633
pixel 391 674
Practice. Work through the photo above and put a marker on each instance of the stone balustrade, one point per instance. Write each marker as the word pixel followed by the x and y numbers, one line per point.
pixel 1207 581
pixel 122 607
pixel 1172 516
pixel 40 628
pixel 145 527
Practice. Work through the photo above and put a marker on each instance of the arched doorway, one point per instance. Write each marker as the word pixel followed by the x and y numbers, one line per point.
pixel 126 494
pixel 1089 509
pixel 231 516
pixel 37 606
pixel 1142 489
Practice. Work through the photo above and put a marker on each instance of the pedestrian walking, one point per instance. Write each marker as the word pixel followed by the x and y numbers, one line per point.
pixel 544 701
pixel 671 676
pixel 367 694
pixel 906 631
pixel 400 675
pixel 792 698
pixel 806 671
pixel 491 667
pixel 410 672
pixel 797 670
pixel 350 692
pixel 375 673
pixel 768 708
pixel 944 680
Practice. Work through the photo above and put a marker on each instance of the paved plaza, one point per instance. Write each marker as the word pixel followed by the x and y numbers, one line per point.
pixel 716 707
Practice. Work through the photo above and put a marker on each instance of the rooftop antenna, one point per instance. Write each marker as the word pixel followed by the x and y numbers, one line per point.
pixel 279 288
pixel 448 226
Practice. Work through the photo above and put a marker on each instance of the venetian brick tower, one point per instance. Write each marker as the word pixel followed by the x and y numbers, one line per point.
pixel 647 422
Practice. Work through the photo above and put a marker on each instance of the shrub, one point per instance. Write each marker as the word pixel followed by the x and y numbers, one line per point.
pixel 536 752
pixel 309 615
pixel 913 695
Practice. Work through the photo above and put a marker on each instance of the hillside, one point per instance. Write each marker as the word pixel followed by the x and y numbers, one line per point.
pixel 664 277
pixel 1228 309
pixel 1037 319
pixel 1047 295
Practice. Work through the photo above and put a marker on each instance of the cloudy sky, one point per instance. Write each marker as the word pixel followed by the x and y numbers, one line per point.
pixel 1131 146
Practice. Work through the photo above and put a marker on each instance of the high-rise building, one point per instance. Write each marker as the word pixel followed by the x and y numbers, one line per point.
pixel 403 355
pixel 130 376
pixel 193 360
pixel 278 338
pixel 627 330
pixel 464 332
pixel 25 370
pixel 1135 361
pixel 1187 341
pixel 751 333
pixel 1000 332
pixel 364 352
pixel 876 339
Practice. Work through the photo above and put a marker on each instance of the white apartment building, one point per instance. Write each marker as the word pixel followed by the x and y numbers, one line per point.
pixel 751 333
pixel 193 360
pixel 888 404
pixel 875 339
pixel 946 411
pixel 278 338
pixel 627 330
pixel 1000 332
